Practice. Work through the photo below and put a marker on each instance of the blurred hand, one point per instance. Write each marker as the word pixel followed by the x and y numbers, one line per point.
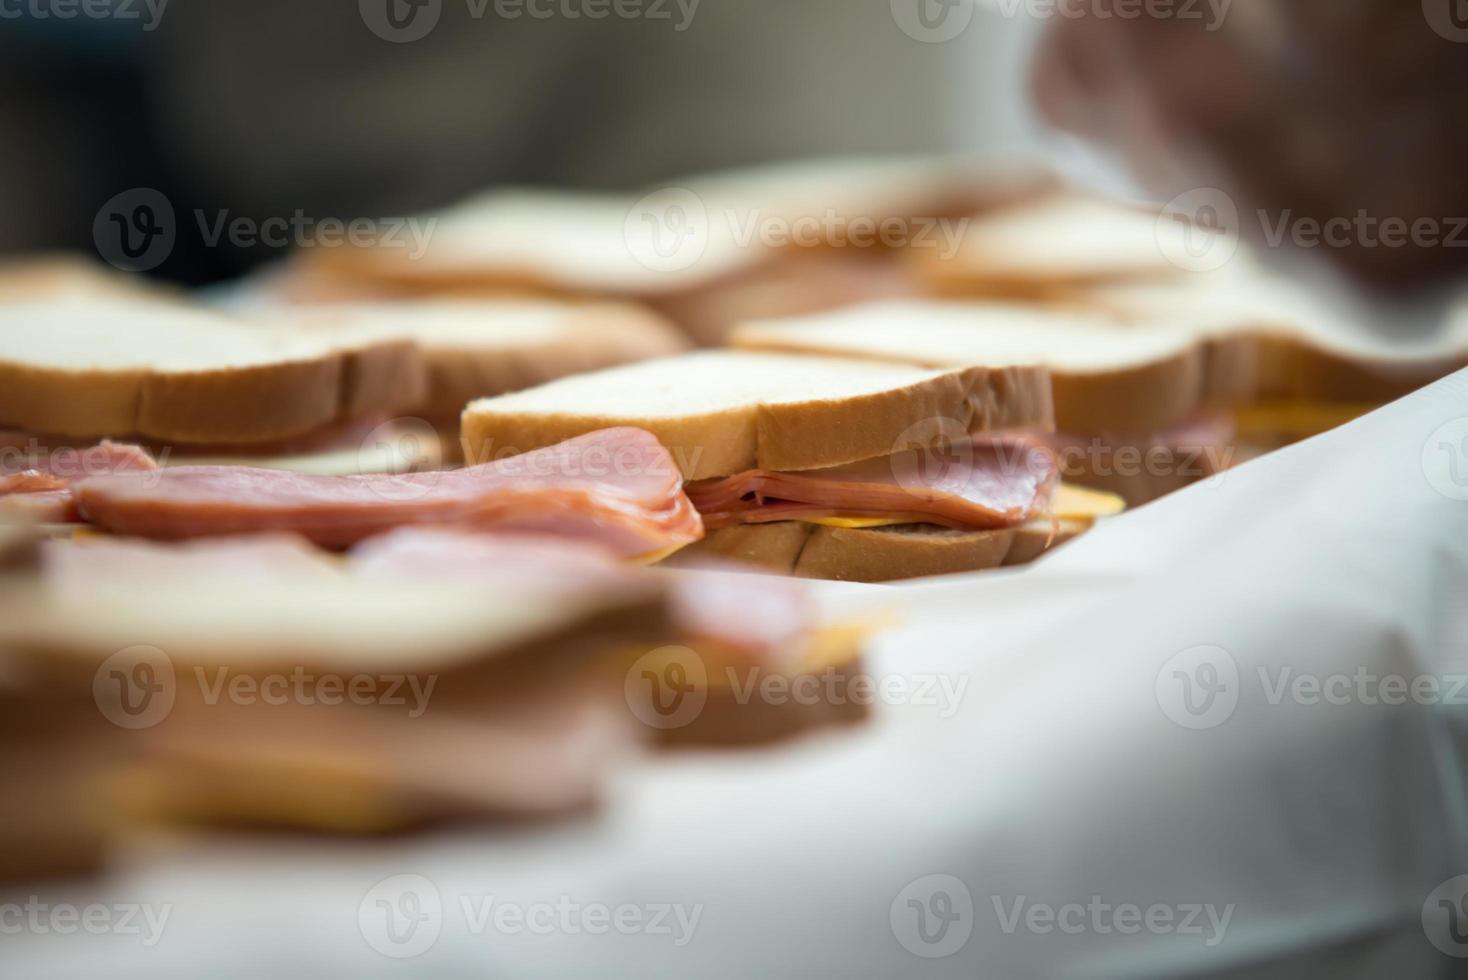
pixel 1346 113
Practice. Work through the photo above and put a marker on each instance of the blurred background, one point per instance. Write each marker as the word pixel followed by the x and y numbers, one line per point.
pixel 265 107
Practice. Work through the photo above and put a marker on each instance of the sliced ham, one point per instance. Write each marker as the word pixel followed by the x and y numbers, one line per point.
pixel 22 459
pixel 35 483
pixel 618 487
pixel 39 507
pixel 988 483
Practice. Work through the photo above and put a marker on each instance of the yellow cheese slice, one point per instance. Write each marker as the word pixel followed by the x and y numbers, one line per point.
pixel 1074 503
pixel 1071 503
pixel 1296 419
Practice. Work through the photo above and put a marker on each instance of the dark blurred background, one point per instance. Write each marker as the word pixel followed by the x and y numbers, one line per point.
pixel 270 108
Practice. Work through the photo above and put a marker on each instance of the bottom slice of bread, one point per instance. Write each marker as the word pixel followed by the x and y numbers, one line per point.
pixel 882 554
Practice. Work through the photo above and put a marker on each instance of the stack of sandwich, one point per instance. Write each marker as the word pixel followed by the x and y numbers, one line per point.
pixel 358 565
pixel 706 251
pixel 1282 364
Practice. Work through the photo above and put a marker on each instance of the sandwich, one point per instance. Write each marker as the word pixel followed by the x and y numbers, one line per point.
pixel 425 675
pixel 474 348
pixel 706 251
pixel 89 385
pixel 1058 242
pixel 257 681
pixel 1134 405
pixel 823 467
pixel 187 382
pixel 1287 364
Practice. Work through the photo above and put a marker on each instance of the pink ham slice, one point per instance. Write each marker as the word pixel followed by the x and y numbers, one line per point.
pixel 988 483
pixel 618 487
pixel 35 483
pixel 39 507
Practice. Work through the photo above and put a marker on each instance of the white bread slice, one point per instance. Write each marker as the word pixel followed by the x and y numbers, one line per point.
pixel 163 371
pixel 562 243
pixel 1292 343
pixel 723 412
pixel 587 244
pixel 64 275
pixel 474 349
pixel 1053 244
pixel 1107 378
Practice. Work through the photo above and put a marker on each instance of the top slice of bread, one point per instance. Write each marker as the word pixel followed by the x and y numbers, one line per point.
pixel 658 242
pixel 1057 242
pixel 1296 344
pixel 475 349
pixel 164 371
pixel 1108 378
pixel 723 412
pixel 560 243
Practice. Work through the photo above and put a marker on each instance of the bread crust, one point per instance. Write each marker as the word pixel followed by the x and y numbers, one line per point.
pixel 1153 395
pixel 602 335
pixel 882 554
pixel 234 405
pixel 792 435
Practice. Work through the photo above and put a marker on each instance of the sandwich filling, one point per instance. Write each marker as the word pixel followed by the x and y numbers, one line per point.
pixel 987 483
pixel 619 487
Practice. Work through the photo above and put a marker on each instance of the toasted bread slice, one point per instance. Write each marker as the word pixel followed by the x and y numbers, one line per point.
pixel 475 349
pixel 1107 378
pixel 89 368
pixel 723 412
